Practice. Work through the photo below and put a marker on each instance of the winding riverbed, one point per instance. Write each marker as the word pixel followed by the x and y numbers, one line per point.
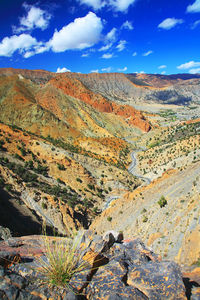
pixel 131 170
pixel 132 167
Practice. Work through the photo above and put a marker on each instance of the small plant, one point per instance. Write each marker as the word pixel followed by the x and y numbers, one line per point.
pixel 79 180
pixel 109 219
pixel 44 205
pixel 63 259
pixel 145 219
pixel 162 202
pixel 61 167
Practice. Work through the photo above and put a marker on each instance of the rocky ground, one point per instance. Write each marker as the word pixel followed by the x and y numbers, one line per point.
pixel 116 269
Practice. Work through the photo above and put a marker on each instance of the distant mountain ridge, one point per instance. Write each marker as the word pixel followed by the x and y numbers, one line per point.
pixel 134 88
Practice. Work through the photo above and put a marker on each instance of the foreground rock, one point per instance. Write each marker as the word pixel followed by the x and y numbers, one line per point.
pixel 117 269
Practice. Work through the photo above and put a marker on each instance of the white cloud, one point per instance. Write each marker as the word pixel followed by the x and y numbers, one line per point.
pixel 162 67
pixel 127 25
pixel 134 53
pixel 85 55
pixel 82 33
pixel 95 4
pixel 121 5
pixel 62 70
pixel 111 36
pixel 106 69
pixel 170 23
pixel 21 43
pixel 194 8
pixel 122 70
pixel 117 5
pixel 147 53
pixel 106 47
pixel 94 71
pixel 188 65
pixel 107 55
pixel 194 71
pixel 142 72
pixel 163 72
pixel 195 24
pixel 121 46
pixel 35 18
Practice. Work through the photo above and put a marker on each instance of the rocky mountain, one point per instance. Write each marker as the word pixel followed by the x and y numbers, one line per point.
pixel 102 151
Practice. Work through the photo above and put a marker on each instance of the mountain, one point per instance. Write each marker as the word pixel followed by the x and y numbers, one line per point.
pixel 102 151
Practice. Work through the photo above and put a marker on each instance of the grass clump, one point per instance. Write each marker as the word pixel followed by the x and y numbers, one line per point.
pixel 62 260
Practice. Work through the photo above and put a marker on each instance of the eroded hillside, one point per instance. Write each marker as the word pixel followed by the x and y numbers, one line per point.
pixel 102 151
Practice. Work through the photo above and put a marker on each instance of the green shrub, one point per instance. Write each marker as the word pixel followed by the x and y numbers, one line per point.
pixel 44 205
pixel 79 180
pixel 145 219
pixel 109 219
pixel 162 202
pixel 61 167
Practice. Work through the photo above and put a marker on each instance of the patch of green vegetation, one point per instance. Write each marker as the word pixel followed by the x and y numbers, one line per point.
pixel 145 219
pixel 162 201
pixel 61 167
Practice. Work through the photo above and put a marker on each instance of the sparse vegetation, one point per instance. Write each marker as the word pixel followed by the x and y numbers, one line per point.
pixel 162 201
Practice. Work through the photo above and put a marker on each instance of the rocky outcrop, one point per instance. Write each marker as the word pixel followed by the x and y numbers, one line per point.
pixel 117 269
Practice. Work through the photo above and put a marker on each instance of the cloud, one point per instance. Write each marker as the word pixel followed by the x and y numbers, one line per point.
pixel 121 46
pixel 121 5
pixel 188 65
pixel 94 71
pixel 106 47
pixel 107 55
pixel 163 72
pixel 134 53
pixel 95 4
pixel 170 23
pixel 35 18
pixel 85 55
pixel 82 33
pixel 111 36
pixel 195 24
pixel 194 71
pixel 127 25
pixel 162 67
pixel 106 69
pixel 62 70
pixel 117 5
pixel 122 70
pixel 194 8
pixel 147 53
pixel 21 43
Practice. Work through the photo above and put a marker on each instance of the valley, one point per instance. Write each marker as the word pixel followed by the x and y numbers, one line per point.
pixel 102 151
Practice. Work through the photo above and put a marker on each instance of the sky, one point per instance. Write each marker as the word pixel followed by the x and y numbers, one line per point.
pixel 130 36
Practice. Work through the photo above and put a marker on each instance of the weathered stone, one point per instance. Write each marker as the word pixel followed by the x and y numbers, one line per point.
pixel 118 236
pixel 195 293
pixel 2 272
pixel 158 280
pixel 14 242
pixel 113 271
pixel 5 233
pixel 10 291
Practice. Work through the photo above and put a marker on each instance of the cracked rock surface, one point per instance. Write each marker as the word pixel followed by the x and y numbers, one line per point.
pixel 117 269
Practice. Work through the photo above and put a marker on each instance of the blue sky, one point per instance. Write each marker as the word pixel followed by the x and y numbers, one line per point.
pixel 151 36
